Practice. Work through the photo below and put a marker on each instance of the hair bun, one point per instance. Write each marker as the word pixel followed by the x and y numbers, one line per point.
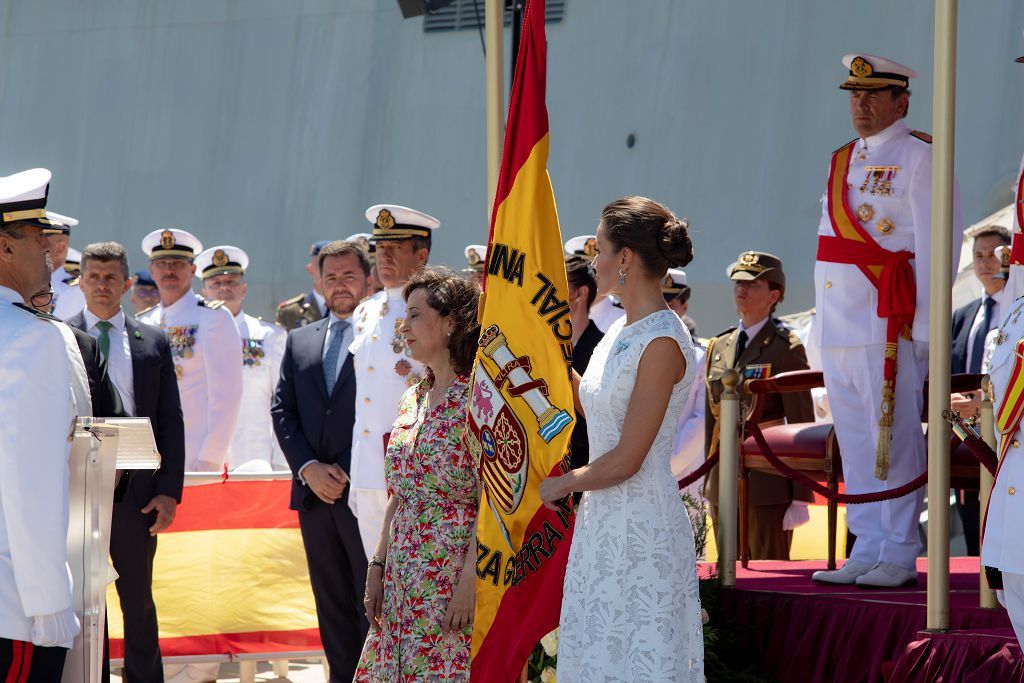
pixel 674 242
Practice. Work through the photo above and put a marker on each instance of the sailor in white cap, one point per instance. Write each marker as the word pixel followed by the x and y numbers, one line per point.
pixel 222 270
pixel 605 310
pixel 67 297
pixel 205 345
pixel 365 241
pixel 476 257
pixel 874 241
pixel 37 618
pixel 383 367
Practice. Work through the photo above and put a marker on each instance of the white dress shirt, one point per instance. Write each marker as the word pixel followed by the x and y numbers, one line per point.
pixel 119 359
pixel 753 330
pixel 979 320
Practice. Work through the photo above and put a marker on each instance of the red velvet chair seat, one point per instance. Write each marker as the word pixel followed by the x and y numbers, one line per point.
pixel 801 440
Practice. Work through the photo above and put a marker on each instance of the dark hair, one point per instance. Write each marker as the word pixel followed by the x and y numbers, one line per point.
pixel 341 248
pixel 105 252
pixel 994 231
pixel 659 239
pixel 895 91
pixel 454 297
pixel 776 287
pixel 581 274
pixel 420 243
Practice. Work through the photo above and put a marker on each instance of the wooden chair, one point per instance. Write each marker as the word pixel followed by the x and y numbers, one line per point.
pixel 812 448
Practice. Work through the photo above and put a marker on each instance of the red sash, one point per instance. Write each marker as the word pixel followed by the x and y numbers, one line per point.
pixel 888 271
pixel 1017 247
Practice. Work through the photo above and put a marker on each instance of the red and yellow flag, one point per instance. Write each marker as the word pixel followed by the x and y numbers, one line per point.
pixel 230 576
pixel 522 405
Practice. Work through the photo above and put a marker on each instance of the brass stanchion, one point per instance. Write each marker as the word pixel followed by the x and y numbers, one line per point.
pixel 728 480
pixel 986 596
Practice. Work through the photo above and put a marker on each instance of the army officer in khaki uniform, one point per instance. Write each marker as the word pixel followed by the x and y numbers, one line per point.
pixel 760 346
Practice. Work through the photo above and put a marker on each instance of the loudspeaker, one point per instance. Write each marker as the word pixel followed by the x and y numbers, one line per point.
pixel 415 8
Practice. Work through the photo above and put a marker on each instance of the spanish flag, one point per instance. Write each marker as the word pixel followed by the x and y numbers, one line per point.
pixel 230 576
pixel 521 411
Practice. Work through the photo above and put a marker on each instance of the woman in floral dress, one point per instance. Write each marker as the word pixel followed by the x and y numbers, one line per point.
pixel 421 582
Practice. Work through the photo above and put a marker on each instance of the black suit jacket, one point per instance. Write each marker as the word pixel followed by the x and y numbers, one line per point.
pixel 156 396
pixel 581 353
pixel 106 402
pixel 310 425
pixel 963 318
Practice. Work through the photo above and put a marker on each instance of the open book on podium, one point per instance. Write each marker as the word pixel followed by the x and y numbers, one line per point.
pixel 99 447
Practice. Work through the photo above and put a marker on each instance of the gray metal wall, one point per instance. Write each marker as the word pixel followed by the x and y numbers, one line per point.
pixel 270 123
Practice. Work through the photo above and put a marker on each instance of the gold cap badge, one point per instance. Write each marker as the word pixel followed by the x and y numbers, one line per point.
pixel 860 68
pixel 385 221
pixel 748 258
pixel 167 240
pixel 590 248
pixel 220 259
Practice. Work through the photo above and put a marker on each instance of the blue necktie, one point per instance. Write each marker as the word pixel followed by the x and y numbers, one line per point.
pixel 333 352
pixel 978 347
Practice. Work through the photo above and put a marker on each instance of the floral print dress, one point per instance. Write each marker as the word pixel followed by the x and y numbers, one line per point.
pixel 430 469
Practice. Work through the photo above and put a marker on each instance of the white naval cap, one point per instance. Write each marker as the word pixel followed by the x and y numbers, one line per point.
pixel 171 243
pixel 23 197
pixel 221 260
pixel 73 262
pixel 364 240
pixel 674 281
pixel 871 72
pixel 59 224
pixel 584 246
pixel 476 256
pixel 393 222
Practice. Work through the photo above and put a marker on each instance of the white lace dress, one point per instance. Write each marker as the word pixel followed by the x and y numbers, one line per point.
pixel 630 607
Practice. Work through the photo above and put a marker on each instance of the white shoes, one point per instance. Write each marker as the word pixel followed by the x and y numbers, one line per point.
pixel 847 575
pixel 888 575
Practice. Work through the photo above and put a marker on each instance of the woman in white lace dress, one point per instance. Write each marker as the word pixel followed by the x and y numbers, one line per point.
pixel 630 606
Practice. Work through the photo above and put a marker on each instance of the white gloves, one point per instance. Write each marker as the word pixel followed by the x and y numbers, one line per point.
pixel 796 515
pixel 55 630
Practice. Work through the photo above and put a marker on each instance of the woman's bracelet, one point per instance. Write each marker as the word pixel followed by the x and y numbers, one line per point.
pixel 375 561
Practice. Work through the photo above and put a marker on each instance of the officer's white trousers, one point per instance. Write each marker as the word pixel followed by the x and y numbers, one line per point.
pixel 886 531
pixel 1013 598
pixel 369 506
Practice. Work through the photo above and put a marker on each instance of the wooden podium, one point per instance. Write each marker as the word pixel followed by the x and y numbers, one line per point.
pixel 99 447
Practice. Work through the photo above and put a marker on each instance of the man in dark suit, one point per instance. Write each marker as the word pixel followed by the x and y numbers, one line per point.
pixel 760 347
pixel 971 323
pixel 138 358
pixel 585 337
pixel 314 413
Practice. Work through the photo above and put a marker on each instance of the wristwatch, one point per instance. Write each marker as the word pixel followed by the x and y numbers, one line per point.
pixel 375 561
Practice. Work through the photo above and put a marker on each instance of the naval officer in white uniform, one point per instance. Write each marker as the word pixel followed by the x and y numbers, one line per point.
pixel 222 270
pixel 37 619
pixel 205 346
pixel 383 367
pixel 67 296
pixel 878 199
pixel 605 310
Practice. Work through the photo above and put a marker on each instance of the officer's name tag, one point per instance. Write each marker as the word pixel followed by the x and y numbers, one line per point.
pixel 758 371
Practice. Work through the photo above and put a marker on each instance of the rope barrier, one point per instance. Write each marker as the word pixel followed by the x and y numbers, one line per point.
pixel 699 472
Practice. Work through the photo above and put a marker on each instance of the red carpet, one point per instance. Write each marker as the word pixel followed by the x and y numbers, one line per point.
pixel 805 632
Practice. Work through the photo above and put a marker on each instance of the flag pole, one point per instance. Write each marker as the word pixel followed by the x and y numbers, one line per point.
pixel 493 39
pixel 943 126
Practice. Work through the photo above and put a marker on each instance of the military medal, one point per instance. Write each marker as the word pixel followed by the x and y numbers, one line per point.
pixel 885 226
pixel 403 368
pixel 178 371
pixel 398 341
pixel 252 352
pixel 865 212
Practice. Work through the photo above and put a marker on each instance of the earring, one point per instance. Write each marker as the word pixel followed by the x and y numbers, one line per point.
pixel 622 276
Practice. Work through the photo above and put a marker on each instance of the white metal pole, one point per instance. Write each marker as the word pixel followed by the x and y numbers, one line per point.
pixel 943 124
pixel 728 479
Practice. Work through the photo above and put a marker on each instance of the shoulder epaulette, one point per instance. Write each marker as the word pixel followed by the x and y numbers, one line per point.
pixel 293 300
pixel 72 281
pixel 144 311
pixel 845 145
pixel 212 304
pixel 723 333
pixel 794 338
pixel 923 137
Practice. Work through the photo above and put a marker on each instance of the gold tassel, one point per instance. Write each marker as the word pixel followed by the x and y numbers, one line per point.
pixel 885 431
